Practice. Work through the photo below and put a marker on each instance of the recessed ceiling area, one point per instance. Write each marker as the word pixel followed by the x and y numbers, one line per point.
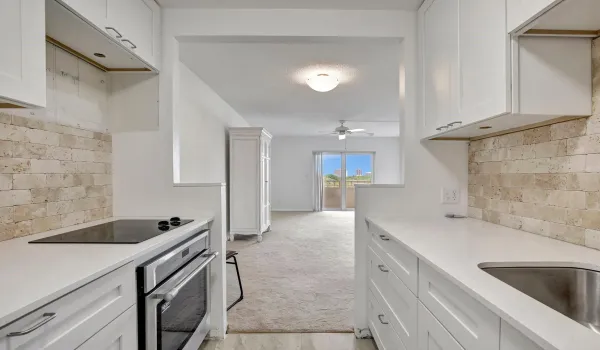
pixel 297 4
pixel 264 80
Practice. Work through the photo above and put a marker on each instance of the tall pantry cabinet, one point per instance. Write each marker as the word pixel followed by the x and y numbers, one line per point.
pixel 249 182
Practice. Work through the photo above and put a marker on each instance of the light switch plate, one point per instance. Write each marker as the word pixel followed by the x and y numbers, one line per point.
pixel 450 195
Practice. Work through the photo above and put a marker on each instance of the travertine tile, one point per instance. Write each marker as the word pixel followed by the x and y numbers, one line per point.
pixel 593 163
pixel 591 219
pixel 44 166
pixel 583 182
pixel 537 135
pixel 567 199
pixel 550 149
pixel 42 137
pixel 29 211
pixel 551 181
pixel 14 165
pixel 45 224
pixel 475 213
pixel 14 197
pixel 6 182
pixel 12 132
pixel 6 148
pixel 71 193
pixel 570 129
pixel 592 239
pixel 28 181
pixel 567 233
pixel 593 200
pixel 40 195
pixel 584 144
pixel 15 230
pixel 71 219
pixel 51 176
pixel 58 208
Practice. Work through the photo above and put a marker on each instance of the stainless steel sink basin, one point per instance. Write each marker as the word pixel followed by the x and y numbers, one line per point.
pixel 574 292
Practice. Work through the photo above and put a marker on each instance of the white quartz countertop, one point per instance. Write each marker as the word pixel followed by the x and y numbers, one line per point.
pixel 32 275
pixel 455 247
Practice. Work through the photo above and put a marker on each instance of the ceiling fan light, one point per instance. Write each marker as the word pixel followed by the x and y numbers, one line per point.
pixel 341 136
pixel 322 82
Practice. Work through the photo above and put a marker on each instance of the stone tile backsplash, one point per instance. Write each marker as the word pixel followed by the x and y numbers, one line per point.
pixel 51 176
pixel 544 180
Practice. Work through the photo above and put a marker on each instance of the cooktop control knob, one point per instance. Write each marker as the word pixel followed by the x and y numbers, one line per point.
pixel 164 228
pixel 163 223
pixel 175 218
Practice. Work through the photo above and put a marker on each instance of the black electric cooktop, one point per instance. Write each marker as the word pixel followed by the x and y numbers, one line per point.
pixel 117 232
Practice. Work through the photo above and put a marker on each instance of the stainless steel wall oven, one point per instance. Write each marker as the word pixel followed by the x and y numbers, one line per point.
pixel 173 296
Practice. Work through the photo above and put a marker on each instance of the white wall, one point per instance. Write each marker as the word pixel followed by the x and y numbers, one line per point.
pixel 200 123
pixel 292 170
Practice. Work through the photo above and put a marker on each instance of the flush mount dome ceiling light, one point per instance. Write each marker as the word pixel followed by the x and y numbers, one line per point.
pixel 322 82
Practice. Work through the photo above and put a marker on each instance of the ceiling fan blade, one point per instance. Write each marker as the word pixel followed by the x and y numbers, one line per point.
pixel 357 130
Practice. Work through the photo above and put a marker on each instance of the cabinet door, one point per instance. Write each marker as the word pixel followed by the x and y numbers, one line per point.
pixel 120 334
pixel 432 335
pixel 512 339
pixel 484 57
pixel 522 12
pixel 136 21
pixel 23 58
pixel 440 63
pixel 94 11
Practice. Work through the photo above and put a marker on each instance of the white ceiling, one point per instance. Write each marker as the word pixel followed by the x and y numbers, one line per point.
pixel 297 4
pixel 264 81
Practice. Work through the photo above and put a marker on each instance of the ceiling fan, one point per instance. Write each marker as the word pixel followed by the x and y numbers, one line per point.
pixel 342 131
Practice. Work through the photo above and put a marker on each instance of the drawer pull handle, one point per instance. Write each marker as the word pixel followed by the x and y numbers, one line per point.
pixel 118 36
pixel 384 238
pixel 380 317
pixel 47 317
pixel 131 44
pixel 382 268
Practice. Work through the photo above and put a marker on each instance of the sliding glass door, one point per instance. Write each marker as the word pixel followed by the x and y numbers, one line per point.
pixel 339 173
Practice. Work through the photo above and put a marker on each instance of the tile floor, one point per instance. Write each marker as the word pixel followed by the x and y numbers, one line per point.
pixel 290 341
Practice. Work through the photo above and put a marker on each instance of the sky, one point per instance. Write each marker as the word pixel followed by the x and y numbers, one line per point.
pixel 332 162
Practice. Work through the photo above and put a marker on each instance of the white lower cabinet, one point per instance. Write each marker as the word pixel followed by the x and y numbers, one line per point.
pixel 71 320
pixel 436 314
pixel 471 323
pixel 512 339
pixel 381 328
pixel 120 334
pixel 432 335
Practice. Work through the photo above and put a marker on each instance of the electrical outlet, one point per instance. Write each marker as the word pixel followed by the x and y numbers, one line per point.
pixel 450 195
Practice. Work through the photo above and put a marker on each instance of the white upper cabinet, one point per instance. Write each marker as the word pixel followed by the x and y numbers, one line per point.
pixel 137 22
pixel 521 12
pixel 440 65
pixel 476 79
pixel 23 54
pixel 484 81
pixel 127 32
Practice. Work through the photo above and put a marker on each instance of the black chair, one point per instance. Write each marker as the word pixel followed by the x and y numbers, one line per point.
pixel 232 254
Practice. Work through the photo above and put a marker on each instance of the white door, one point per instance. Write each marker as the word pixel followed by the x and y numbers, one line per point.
pixel 440 63
pixel 134 20
pixel 484 75
pixel 512 339
pixel 23 54
pixel 432 335
pixel 120 334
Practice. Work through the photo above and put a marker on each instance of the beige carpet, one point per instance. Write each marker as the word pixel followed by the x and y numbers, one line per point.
pixel 299 279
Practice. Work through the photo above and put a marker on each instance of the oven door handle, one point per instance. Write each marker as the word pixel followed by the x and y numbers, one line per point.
pixel 172 293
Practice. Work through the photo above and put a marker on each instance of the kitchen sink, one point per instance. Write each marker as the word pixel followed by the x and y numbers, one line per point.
pixel 574 292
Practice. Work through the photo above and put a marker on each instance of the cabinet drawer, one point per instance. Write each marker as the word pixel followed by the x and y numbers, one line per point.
pixel 120 334
pixel 381 329
pixel 393 294
pixel 512 339
pixel 432 335
pixel 77 315
pixel 399 259
pixel 472 324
